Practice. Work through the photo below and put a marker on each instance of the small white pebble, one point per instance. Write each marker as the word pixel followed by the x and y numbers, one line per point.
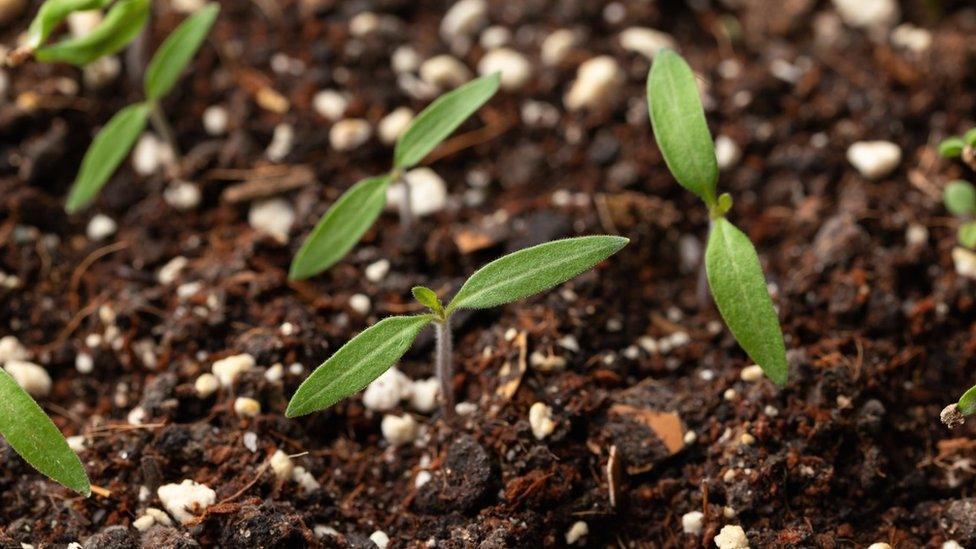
pixel 380 538
pixel 250 440
pixel 911 38
pixel 879 545
pixel 182 195
pixel 392 126
pixel 423 477
pixel 282 465
pixel 690 437
pixel 951 544
pixel 868 14
pixel 428 192
pixel 150 154
pixel 206 385
pixel 360 303
pixel 350 133
pixel 732 537
pixel 747 439
pixel 444 72
pixel 597 82
pixel 305 479
pixel 727 152
pixel 377 270
pixel 171 270
pixel 645 41
pixel 423 395
pixel 691 523
pixel 274 217
pixel 31 377
pixel 964 261
pixel 227 369
pixel 100 227
pixel 275 373
pixel 874 159
pixel 540 419
pixel 770 410
pixel 136 416
pixel 282 141
pixel 84 363
pixel 916 235
pixel 464 18
pixel 12 349
pixel 515 69
pixel 405 59
pixel 322 531
pixel 577 532
pixel 546 362
pixel 186 499
pixel 144 523
pixel 730 394
pixel 399 430
pixel 76 443
pixel 246 407
pixel 364 23
pixel 465 408
pixel 495 37
pixel 751 373
pixel 215 120
pixel 330 104
pixel 557 46
pixel 386 391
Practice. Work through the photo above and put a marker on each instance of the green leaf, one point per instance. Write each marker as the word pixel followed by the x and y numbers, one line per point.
pixel 967 402
pixel 951 147
pixel 175 53
pixel 960 198
pixel 428 298
pixel 678 120
pixel 442 117
pixel 967 234
pixel 970 137
pixel 739 288
pixel 120 26
pixel 107 151
pixel 357 363
pixel 532 270
pixel 51 14
pixel 34 436
pixel 341 227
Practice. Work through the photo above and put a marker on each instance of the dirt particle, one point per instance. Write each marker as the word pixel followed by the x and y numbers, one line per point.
pixel 462 483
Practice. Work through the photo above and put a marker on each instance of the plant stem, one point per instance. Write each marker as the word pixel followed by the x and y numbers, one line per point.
pixel 162 126
pixel 445 366
pixel 406 210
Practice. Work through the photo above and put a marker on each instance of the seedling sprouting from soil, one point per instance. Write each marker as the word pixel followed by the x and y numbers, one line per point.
pixel 954 415
pixel 116 138
pixel 960 199
pixel 121 25
pixel 33 435
pixel 509 278
pixel 357 209
pixel 732 266
pixel 963 148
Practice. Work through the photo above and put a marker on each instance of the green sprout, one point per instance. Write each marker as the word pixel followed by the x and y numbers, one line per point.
pixel 963 147
pixel 33 435
pixel 507 279
pixel 344 224
pixel 123 22
pixel 117 137
pixel 732 266
pixel 960 199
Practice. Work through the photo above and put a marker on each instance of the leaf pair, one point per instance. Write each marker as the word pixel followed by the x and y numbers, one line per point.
pixel 732 266
pixel 960 199
pixel 345 223
pixel 121 25
pixel 33 435
pixel 954 146
pixel 510 278
pixel 112 144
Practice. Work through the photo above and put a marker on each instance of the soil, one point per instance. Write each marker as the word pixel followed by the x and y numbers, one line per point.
pixel 879 328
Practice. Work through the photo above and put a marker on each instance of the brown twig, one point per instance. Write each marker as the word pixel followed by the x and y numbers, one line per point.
pixel 86 263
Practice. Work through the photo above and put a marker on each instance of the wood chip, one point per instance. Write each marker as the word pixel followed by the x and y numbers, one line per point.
pixel 613 476
pixel 511 374
pixel 666 425
pixel 266 185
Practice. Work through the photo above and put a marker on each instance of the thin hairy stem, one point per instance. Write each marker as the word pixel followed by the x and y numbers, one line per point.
pixel 445 365
pixel 406 210
pixel 161 125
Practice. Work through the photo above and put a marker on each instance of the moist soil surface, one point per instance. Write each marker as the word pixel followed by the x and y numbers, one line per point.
pixel 653 419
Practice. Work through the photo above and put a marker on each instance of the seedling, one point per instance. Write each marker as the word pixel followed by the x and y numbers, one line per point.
pixel 963 148
pixel 954 415
pixel 507 279
pixel 960 200
pixel 732 267
pixel 33 435
pixel 345 223
pixel 116 138
pixel 121 25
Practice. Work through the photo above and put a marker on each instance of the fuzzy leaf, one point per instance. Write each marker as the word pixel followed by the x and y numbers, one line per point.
pixel 739 288
pixel 427 298
pixel 967 234
pixel 120 26
pixel 960 198
pixel 951 147
pixel 51 14
pixel 175 53
pixel 107 151
pixel 357 363
pixel 678 120
pixel 967 402
pixel 440 118
pixel 33 435
pixel 341 227
pixel 532 270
